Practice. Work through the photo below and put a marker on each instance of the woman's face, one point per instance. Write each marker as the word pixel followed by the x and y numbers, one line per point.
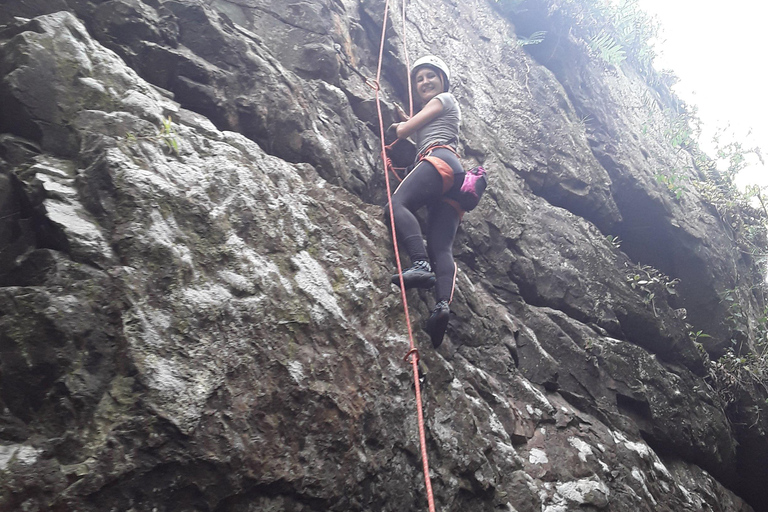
pixel 429 83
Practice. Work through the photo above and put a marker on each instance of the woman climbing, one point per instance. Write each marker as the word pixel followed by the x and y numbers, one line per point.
pixel 436 178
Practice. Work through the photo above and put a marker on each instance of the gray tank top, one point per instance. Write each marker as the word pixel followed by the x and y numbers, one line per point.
pixel 444 129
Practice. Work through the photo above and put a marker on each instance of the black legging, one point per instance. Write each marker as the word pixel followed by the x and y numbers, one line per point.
pixel 424 187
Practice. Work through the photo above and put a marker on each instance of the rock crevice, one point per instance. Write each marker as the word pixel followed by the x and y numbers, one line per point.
pixel 195 308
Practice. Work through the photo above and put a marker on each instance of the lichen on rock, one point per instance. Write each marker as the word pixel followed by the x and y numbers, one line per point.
pixel 195 306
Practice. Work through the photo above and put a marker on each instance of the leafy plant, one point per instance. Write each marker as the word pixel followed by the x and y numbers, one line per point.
pixel 614 241
pixel 735 316
pixel 734 154
pixel 615 30
pixel 535 38
pixel 651 282
pixel 166 134
pixel 744 212
pixel 635 30
pixel 695 335
pixel 734 372
pixel 674 182
pixel 584 120
pixel 678 133
pixel 604 46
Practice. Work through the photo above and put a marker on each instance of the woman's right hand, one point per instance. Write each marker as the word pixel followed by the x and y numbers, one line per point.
pixel 430 111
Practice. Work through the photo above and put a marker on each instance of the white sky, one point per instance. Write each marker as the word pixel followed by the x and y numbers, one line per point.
pixel 719 52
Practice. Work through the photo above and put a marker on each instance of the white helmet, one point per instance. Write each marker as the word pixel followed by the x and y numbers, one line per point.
pixel 433 62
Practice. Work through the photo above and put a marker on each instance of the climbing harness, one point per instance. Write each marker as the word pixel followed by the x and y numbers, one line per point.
pixel 445 170
pixel 413 353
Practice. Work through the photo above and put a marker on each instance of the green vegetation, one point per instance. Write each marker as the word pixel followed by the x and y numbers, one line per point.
pixel 695 336
pixel 681 129
pixel 166 134
pixel 744 367
pixel 733 372
pixel 607 48
pixel 614 31
pixel 614 241
pixel 744 212
pixel 675 182
pixel 535 38
pixel 620 35
pixel 651 282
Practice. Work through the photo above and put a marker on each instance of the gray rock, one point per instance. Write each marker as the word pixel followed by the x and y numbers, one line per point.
pixel 195 308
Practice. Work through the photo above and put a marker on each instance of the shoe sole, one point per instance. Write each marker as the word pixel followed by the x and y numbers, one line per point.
pixel 421 282
pixel 436 327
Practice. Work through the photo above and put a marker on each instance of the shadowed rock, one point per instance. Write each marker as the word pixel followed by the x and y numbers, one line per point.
pixel 196 314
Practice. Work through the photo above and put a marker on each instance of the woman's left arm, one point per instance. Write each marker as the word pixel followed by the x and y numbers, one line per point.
pixel 430 111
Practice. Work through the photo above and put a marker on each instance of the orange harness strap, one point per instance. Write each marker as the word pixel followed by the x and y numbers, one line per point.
pixel 445 170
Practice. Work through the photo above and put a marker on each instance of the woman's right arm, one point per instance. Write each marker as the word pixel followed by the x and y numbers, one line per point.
pixel 430 111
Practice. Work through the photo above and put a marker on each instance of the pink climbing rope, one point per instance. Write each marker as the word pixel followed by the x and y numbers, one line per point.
pixel 413 353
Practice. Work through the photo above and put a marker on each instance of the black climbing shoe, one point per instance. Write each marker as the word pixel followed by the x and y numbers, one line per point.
pixel 438 323
pixel 420 275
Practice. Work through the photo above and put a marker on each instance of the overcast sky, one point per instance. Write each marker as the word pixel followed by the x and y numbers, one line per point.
pixel 718 50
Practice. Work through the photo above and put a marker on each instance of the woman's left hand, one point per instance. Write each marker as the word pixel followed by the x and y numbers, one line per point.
pixel 401 113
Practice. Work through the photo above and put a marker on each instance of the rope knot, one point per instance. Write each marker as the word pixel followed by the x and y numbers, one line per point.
pixel 415 353
pixel 373 84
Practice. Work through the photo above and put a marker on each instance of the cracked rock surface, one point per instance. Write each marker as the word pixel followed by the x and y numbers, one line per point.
pixel 195 308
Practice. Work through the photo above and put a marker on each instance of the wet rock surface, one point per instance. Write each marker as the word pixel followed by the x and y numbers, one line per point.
pixel 196 314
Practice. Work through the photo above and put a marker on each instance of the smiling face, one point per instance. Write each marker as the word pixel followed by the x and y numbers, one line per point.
pixel 429 83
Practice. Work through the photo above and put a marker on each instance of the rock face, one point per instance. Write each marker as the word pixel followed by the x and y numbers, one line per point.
pixel 195 308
